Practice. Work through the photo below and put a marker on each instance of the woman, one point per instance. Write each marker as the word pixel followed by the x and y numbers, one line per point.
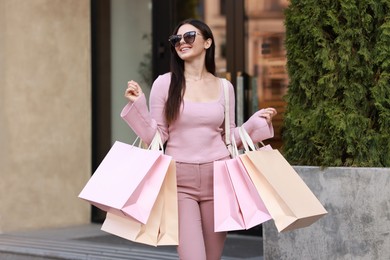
pixel 187 108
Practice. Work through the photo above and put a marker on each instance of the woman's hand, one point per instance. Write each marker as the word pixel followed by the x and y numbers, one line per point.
pixel 267 113
pixel 133 91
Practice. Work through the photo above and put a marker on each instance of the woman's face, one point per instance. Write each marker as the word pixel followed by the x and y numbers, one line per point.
pixel 188 51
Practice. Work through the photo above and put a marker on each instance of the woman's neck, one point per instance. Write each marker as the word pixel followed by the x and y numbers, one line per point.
pixel 195 72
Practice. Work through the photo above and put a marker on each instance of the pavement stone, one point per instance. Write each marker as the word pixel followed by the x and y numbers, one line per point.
pixel 90 243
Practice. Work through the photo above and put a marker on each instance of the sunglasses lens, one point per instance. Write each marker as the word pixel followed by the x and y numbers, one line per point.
pixel 175 40
pixel 189 37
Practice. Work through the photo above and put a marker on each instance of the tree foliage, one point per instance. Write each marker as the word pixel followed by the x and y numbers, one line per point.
pixel 338 101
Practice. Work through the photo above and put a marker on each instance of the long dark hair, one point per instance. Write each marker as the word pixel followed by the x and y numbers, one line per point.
pixel 177 86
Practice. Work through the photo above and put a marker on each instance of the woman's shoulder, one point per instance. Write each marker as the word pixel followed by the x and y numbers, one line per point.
pixel 161 84
pixel 227 82
pixel 163 79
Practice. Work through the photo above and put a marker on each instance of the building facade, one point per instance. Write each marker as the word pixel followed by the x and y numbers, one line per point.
pixel 45 114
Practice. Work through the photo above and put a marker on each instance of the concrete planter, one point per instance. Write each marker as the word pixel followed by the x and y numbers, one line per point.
pixel 357 225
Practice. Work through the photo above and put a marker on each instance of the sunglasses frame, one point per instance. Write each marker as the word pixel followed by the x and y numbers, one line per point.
pixel 188 37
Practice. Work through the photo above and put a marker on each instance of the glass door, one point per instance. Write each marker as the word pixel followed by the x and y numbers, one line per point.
pixel 257 39
pixel 266 56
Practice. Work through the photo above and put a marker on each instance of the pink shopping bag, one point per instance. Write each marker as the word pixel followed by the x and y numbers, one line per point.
pixel 127 181
pixel 141 201
pixel 251 205
pixel 227 215
pixel 162 225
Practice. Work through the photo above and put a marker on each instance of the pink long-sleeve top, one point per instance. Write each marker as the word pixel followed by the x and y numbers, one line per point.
pixel 197 136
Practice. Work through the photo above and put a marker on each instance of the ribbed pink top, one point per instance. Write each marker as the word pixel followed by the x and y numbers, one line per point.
pixel 197 135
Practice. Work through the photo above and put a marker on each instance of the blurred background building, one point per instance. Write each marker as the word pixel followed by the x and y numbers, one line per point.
pixel 64 66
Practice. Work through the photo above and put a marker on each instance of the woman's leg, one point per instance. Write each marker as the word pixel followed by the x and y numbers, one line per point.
pixel 191 244
pixel 214 241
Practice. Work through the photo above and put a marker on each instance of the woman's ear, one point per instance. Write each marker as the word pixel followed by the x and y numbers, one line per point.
pixel 208 43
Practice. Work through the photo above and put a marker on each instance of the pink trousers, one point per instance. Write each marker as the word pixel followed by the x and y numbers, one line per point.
pixel 197 239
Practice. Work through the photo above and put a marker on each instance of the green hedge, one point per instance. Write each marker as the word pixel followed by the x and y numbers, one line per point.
pixel 338 100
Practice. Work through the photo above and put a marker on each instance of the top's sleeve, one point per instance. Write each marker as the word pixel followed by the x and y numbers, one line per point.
pixel 145 124
pixel 258 127
pixel 157 100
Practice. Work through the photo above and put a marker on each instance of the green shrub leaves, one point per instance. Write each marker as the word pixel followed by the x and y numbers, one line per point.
pixel 338 101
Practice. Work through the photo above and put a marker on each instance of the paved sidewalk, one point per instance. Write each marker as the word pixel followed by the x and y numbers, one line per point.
pixel 89 242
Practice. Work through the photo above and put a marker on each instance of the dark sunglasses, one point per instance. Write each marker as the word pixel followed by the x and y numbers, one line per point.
pixel 188 37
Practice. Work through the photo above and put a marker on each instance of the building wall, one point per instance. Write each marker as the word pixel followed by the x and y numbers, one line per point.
pixel 45 113
pixel 357 225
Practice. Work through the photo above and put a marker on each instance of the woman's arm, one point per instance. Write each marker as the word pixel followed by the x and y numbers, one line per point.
pixel 259 125
pixel 137 116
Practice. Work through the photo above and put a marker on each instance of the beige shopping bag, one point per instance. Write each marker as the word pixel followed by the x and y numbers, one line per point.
pixel 169 225
pixel 288 199
pixel 133 230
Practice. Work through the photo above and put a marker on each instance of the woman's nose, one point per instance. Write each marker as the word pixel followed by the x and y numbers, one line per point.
pixel 182 41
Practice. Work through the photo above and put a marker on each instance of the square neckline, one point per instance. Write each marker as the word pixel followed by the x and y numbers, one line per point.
pixel 221 94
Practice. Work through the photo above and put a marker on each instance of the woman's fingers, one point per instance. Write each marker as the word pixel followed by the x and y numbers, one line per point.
pixel 272 111
pixel 133 90
pixel 133 87
pixel 268 113
pixel 267 117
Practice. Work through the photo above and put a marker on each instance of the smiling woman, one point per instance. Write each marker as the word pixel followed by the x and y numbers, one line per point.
pixel 187 108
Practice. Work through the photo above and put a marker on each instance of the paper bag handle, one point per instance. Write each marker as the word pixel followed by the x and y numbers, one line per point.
pixel 234 149
pixel 247 141
pixel 156 143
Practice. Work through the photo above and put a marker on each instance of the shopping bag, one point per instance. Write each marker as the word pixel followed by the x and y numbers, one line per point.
pixel 250 203
pixel 162 225
pixel 288 199
pixel 227 215
pixel 141 201
pixel 169 225
pixel 250 206
pixel 128 180
pixel 133 230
